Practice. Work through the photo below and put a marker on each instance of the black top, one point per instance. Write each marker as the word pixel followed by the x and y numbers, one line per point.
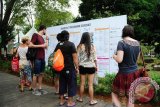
pixel 131 52
pixel 67 48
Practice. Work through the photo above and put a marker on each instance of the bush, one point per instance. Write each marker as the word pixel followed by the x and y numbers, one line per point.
pixel 104 86
pixel 155 75
pixel 5 64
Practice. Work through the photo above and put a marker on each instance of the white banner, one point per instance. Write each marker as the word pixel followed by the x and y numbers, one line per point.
pixel 106 33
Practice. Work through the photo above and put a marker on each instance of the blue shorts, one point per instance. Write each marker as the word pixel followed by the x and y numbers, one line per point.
pixel 39 67
pixel 68 83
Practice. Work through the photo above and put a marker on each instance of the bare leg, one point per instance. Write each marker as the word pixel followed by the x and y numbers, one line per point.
pixel 129 104
pixel 115 100
pixel 22 86
pixel 40 81
pixel 62 100
pixel 34 82
pixel 90 84
pixel 82 84
pixel 57 84
pixel 70 101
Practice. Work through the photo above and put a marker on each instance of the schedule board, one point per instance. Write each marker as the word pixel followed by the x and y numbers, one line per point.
pixel 105 34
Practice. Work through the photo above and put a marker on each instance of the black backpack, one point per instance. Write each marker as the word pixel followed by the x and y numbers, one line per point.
pixel 32 52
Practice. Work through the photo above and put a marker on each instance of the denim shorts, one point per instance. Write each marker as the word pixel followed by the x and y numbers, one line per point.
pixel 68 83
pixel 39 67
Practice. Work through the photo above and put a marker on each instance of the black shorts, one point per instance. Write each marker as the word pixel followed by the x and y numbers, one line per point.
pixel 85 70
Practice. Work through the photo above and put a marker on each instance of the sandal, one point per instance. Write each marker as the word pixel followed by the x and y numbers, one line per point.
pixel 66 97
pixel 114 105
pixel 79 100
pixel 62 104
pixel 73 105
pixel 21 90
pixel 30 89
pixel 56 93
pixel 93 102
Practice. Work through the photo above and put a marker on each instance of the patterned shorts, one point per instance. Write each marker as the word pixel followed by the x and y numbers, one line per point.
pixel 26 74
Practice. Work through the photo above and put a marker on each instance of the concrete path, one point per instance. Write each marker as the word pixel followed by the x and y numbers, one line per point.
pixel 11 97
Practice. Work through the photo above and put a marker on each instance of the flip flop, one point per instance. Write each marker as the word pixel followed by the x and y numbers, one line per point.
pixel 74 104
pixel 56 93
pixel 21 90
pixel 62 104
pixel 66 97
pixel 79 100
pixel 94 102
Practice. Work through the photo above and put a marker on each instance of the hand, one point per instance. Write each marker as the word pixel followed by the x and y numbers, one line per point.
pixel 96 69
pixel 47 37
pixel 44 45
pixel 77 71
pixel 114 56
pixel 30 45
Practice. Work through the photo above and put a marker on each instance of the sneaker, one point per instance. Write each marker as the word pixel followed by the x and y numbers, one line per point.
pixel 36 92
pixel 42 91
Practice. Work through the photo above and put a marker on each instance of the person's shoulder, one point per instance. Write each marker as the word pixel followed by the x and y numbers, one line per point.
pixel 70 43
pixel 121 42
pixel 35 35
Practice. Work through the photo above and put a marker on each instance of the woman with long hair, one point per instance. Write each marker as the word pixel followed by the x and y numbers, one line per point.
pixel 127 54
pixel 87 66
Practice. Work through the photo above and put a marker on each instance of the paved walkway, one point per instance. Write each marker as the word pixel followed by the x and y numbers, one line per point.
pixel 11 97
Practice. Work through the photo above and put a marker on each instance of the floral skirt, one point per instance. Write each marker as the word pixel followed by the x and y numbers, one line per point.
pixel 26 74
pixel 122 82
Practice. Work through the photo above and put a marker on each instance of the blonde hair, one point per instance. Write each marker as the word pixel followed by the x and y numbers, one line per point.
pixel 24 39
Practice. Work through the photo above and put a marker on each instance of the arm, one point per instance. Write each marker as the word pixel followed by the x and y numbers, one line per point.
pixel 119 57
pixel 75 57
pixel 95 61
pixel 75 60
pixel 31 45
pixel 34 40
pixel 95 58
pixel 120 52
pixel 17 53
pixel 46 41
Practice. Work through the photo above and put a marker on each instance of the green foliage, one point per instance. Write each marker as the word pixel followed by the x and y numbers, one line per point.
pixel 52 13
pixel 105 84
pixel 155 75
pixel 6 65
pixel 144 15
pixel 14 12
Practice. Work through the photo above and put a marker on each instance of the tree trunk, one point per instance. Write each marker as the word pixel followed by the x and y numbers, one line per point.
pixel 1 17
pixel 4 21
pixel 1 10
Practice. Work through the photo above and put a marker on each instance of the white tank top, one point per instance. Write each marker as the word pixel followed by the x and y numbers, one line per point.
pixel 22 54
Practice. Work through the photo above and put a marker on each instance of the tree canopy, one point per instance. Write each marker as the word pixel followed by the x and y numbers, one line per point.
pixel 144 15
pixel 24 12
pixel 51 12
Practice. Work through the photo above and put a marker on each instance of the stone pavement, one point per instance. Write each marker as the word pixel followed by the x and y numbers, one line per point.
pixel 11 97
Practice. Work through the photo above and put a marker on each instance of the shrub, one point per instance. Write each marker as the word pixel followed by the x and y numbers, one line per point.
pixel 5 64
pixel 104 86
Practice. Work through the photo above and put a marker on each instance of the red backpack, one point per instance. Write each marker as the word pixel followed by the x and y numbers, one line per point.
pixel 15 64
